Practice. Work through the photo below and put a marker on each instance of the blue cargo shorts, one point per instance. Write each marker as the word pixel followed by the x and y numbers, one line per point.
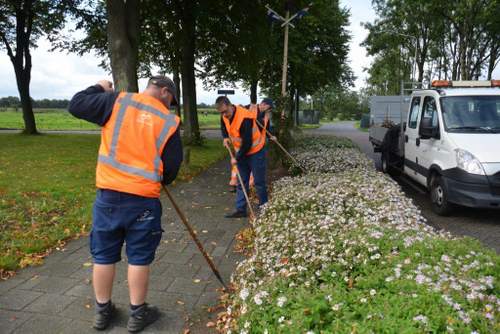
pixel 120 217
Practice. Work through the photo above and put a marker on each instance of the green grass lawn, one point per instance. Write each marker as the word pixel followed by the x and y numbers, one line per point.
pixel 47 120
pixel 60 119
pixel 47 185
pixel 210 121
pixel 309 126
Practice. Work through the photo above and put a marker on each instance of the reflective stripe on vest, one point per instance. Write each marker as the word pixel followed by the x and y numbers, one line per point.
pixel 254 143
pixel 170 122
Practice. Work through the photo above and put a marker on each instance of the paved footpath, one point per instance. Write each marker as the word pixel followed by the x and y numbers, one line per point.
pixel 57 296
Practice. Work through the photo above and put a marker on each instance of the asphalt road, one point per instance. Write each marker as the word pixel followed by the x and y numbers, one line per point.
pixel 481 224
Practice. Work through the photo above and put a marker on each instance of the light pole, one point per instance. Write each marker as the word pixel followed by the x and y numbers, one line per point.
pixel 287 21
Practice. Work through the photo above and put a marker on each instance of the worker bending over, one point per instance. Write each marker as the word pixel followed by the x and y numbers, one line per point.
pixel 140 149
pixel 239 127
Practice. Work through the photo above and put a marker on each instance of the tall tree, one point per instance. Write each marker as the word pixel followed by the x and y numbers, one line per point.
pixel 160 43
pixel 413 24
pixel 169 30
pixel 123 42
pixel 236 45
pixel 188 17
pixel 450 40
pixel 22 23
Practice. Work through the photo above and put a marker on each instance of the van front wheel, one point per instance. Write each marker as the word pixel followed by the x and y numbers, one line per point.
pixel 384 163
pixel 439 197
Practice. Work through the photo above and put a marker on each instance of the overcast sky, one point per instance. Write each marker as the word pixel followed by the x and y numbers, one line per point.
pixel 59 75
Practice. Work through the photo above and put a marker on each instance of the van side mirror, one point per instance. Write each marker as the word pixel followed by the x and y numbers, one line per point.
pixel 427 130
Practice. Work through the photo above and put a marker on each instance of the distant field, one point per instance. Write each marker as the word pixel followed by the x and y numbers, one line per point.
pixel 46 119
pixel 60 119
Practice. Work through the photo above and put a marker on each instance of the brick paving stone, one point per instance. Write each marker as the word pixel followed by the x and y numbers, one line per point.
pixel 181 258
pixel 45 324
pixel 80 290
pixel 160 283
pixel 50 303
pixel 51 284
pixel 200 260
pixel 10 320
pixel 60 269
pixel 179 270
pixel 191 287
pixel 11 283
pixel 18 299
pixel 81 308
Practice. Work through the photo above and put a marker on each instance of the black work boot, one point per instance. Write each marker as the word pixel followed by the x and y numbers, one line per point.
pixel 103 316
pixel 236 214
pixel 142 317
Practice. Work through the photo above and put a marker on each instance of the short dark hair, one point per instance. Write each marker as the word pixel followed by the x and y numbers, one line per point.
pixel 223 100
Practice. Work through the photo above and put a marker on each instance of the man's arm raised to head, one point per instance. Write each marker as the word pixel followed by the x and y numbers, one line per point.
pixel 95 103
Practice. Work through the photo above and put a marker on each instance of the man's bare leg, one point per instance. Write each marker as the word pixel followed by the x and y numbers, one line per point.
pixel 138 279
pixel 102 278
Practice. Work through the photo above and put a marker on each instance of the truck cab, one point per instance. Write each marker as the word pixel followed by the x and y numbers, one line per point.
pixel 449 142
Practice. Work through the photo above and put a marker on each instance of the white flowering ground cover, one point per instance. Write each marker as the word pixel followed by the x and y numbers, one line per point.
pixel 342 250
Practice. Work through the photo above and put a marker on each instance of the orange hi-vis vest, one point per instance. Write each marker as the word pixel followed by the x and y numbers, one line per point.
pixel 263 132
pixel 233 129
pixel 132 142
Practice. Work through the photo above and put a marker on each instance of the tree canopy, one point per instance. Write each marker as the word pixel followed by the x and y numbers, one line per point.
pixel 449 40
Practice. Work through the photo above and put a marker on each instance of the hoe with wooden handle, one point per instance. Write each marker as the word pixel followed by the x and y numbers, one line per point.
pixel 193 235
pixel 283 149
pixel 252 214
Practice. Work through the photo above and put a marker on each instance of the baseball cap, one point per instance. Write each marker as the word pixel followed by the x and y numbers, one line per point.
pixel 164 81
pixel 268 101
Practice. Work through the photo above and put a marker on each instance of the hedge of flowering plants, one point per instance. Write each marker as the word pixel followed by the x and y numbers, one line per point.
pixel 322 154
pixel 342 250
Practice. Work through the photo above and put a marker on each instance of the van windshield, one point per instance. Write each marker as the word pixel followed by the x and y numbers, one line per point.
pixel 471 114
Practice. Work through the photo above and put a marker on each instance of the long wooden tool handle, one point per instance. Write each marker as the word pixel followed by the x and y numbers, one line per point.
pixel 282 148
pixel 193 235
pixel 252 214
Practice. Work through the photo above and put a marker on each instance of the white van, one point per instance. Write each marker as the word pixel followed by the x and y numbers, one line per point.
pixel 448 141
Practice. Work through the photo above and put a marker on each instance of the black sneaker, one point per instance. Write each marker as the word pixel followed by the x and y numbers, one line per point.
pixel 236 214
pixel 142 317
pixel 103 316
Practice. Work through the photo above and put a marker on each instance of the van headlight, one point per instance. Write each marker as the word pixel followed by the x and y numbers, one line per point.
pixel 468 162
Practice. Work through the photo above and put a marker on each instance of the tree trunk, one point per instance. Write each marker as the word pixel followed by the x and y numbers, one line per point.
pixel 123 36
pixel 188 22
pixel 22 63
pixel 177 81
pixel 23 85
pixel 462 53
pixel 493 60
pixel 422 59
pixel 420 71
pixel 253 91
pixel 297 101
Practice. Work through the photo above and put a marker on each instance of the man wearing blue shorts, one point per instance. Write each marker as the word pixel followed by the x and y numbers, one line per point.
pixel 140 149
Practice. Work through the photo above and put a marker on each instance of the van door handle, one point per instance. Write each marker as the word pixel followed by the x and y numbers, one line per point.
pixel 417 141
pixel 406 138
